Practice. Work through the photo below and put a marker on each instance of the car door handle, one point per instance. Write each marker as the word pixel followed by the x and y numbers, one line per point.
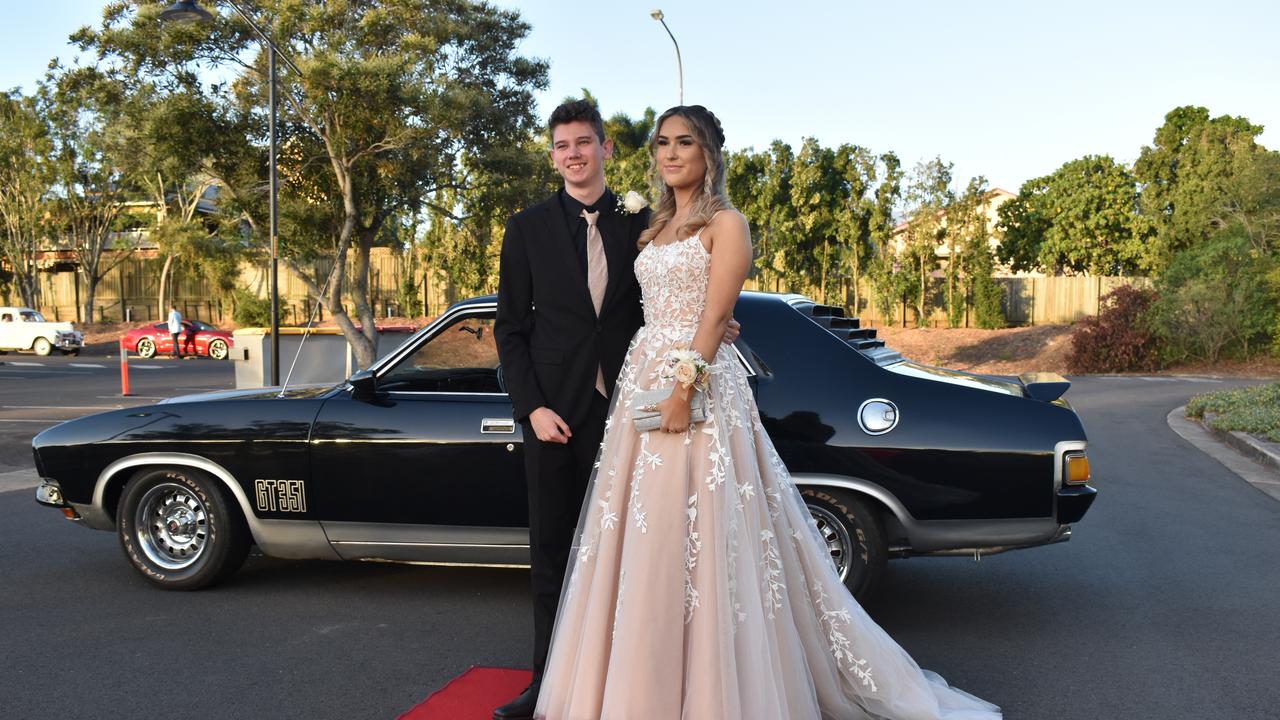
pixel 497 425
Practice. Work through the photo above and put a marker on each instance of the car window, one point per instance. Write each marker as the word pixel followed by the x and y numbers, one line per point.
pixel 7 317
pixel 462 357
pixel 161 326
pixel 32 316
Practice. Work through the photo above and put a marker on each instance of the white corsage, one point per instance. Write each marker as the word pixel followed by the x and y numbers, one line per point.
pixel 686 367
pixel 632 203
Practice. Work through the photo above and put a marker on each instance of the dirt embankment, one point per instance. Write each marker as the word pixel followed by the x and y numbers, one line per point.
pixel 1040 348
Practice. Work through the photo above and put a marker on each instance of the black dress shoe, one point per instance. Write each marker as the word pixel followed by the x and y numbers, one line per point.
pixel 522 707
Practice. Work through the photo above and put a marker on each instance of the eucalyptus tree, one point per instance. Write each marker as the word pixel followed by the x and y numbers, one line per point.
pixel 759 185
pixel 855 215
pixel 85 109
pixel 390 98
pixel 928 194
pixel 25 184
pixel 816 197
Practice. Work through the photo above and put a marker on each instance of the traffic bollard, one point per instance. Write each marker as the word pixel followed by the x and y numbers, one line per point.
pixel 124 370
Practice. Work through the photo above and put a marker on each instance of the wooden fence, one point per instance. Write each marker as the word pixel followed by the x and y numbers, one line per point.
pixel 1025 301
pixel 129 293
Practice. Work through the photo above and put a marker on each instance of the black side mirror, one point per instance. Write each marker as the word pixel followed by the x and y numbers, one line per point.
pixel 364 385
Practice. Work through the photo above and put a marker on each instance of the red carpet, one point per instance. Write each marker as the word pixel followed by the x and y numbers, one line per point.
pixel 472 695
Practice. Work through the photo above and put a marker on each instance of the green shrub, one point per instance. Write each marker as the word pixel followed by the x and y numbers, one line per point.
pixel 1115 340
pixel 251 310
pixel 1215 301
pixel 1254 410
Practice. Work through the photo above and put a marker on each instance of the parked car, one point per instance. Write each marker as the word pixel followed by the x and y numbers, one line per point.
pixel 196 338
pixel 418 458
pixel 26 329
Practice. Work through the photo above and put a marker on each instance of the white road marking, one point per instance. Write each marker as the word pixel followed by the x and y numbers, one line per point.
pixel 148 367
pixel 21 479
pixel 44 373
pixel 86 365
pixel 131 397
pixel 46 421
pixel 24 364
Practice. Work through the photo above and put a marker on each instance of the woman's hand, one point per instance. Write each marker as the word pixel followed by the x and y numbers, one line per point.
pixel 675 410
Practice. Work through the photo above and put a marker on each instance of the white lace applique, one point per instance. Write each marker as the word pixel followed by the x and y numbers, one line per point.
pixel 773 585
pixel 774 500
pixel 617 607
pixel 637 474
pixel 717 454
pixel 692 545
pixel 841 646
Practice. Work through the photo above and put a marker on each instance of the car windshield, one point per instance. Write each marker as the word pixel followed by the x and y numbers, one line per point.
pixel 202 325
pixel 32 316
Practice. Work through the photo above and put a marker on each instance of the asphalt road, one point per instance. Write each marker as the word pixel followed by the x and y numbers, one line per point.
pixel 1165 604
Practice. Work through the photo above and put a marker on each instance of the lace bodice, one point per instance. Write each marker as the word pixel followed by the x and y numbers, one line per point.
pixel 673 278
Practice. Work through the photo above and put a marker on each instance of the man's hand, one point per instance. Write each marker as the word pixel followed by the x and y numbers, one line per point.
pixel 548 426
pixel 732 331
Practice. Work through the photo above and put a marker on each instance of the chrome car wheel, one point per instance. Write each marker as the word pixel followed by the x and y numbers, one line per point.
pixel 42 346
pixel 836 536
pixel 146 349
pixel 218 349
pixel 179 529
pixel 172 526
pixel 853 535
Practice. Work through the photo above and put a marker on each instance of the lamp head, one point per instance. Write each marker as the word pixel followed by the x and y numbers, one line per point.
pixel 185 11
pixel 656 14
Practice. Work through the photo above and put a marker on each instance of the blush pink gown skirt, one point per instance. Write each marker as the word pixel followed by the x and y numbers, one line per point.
pixel 699 588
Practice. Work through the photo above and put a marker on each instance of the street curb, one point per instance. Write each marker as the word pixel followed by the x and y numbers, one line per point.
pixel 1262 475
pixel 1248 445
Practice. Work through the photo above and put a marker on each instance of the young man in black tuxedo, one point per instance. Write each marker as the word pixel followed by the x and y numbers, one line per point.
pixel 562 332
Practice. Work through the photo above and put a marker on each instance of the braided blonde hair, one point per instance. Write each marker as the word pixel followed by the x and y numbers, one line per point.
pixel 711 199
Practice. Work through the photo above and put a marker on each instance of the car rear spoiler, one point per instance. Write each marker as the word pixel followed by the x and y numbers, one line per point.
pixel 1044 386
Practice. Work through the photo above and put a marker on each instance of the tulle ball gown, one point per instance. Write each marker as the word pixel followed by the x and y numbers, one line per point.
pixel 699 587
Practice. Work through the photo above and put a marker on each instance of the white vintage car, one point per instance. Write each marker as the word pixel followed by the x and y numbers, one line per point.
pixel 26 329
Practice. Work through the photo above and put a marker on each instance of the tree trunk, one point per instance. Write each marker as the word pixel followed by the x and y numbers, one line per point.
pixel 164 282
pixel 90 289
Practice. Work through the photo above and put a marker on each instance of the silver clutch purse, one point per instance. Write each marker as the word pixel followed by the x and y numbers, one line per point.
pixel 644 408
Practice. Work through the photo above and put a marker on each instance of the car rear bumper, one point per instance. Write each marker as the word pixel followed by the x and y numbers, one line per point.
pixel 1074 502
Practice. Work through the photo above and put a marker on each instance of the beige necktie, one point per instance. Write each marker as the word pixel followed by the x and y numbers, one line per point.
pixel 597 276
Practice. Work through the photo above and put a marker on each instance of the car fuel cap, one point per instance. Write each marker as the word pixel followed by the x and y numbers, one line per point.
pixel 877 416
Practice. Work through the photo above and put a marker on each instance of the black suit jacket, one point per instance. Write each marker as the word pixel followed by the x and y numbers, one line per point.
pixel 549 338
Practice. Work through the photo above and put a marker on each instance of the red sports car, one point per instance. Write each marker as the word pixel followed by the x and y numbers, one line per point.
pixel 196 338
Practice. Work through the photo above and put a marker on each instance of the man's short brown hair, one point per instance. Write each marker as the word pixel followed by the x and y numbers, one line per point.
pixel 574 111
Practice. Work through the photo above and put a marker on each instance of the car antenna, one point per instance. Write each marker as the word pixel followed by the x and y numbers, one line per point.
pixel 306 331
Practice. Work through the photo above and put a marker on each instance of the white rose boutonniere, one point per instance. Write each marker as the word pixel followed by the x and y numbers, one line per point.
pixel 632 203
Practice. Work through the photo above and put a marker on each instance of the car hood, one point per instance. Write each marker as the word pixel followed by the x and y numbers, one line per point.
pixel 295 392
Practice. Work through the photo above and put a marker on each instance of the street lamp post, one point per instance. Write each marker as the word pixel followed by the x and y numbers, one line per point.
pixel 657 15
pixel 190 11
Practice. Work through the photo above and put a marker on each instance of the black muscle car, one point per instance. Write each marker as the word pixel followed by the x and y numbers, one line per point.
pixel 418 458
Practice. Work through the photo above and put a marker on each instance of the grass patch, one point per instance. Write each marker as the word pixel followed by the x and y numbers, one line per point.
pixel 1255 410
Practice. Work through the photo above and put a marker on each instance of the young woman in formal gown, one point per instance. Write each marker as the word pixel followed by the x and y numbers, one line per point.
pixel 699 588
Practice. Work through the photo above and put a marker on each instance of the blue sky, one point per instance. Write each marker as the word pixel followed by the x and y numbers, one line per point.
pixel 1009 90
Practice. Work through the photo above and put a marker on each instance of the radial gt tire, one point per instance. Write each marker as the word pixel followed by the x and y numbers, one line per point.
pixel 178 529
